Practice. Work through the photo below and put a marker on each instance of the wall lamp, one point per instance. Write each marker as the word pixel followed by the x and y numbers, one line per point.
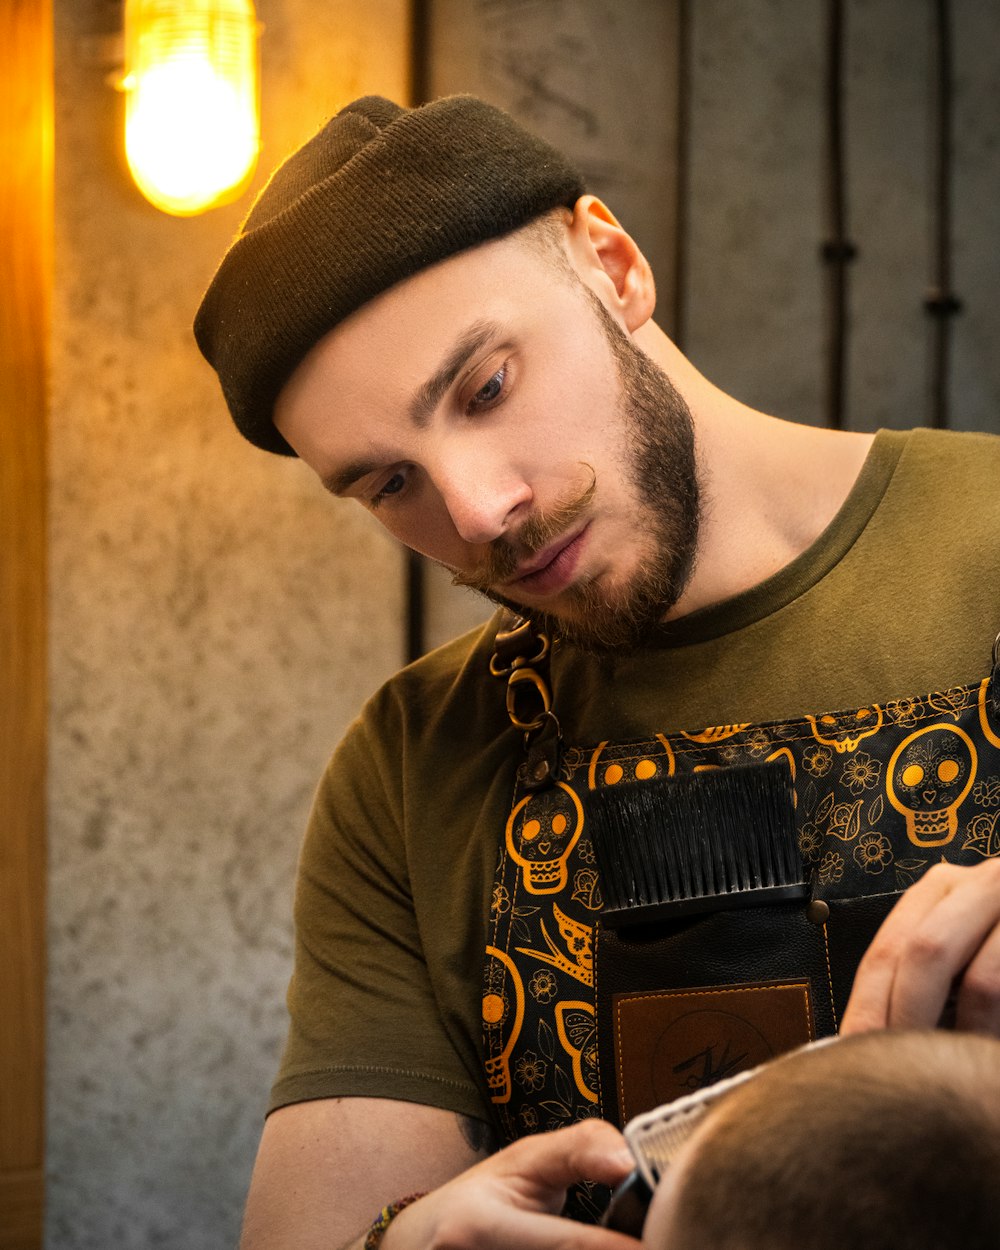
pixel 192 125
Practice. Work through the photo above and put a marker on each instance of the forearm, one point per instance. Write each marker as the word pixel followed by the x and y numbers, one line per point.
pixel 326 1170
pixel 376 1233
pixel 356 1243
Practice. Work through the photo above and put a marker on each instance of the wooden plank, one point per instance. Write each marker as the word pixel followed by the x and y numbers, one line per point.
pixel 25 279
pixel 21 1197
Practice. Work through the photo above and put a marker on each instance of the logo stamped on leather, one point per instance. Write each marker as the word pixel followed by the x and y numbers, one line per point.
pixel 671 1042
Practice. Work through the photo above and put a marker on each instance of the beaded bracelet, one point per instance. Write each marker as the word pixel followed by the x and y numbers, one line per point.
pixel 385 1218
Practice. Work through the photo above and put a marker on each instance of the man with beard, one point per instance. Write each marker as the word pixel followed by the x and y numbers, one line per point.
pixel 426 307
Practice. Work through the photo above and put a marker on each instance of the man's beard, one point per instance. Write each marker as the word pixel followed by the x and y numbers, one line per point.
pixel 658 455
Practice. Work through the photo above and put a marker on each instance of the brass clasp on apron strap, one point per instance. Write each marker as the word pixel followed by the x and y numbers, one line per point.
pixel 521 654
pixel 529 700
pixel 518 647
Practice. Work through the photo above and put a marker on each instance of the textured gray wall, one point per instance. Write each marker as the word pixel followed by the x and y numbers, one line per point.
pixel 976 391
pixel 752 318
pixel 216 621
pixel 754 314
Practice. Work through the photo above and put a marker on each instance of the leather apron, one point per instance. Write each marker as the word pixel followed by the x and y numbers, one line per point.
pixel 580 1020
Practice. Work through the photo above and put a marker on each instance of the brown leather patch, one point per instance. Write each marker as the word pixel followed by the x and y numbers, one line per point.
pixel 671 1042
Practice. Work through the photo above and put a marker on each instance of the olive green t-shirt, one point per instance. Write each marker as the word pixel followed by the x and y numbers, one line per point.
pixel 899 596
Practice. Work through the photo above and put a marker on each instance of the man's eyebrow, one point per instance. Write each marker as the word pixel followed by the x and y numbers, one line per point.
pixel 429 395
pixel 342 479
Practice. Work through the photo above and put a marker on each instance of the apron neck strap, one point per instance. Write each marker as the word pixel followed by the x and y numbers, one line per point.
pixel 522 652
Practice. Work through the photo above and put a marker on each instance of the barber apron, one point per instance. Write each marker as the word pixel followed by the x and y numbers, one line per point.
pixel 581 1020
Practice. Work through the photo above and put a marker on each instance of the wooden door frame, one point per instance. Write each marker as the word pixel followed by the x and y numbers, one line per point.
pixel 26 109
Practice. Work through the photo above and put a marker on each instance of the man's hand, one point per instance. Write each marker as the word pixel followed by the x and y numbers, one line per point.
pixel 942 936
pixel 514 1197
pixel 326 1167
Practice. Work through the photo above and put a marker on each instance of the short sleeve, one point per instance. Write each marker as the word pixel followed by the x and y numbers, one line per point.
pixel 364 1019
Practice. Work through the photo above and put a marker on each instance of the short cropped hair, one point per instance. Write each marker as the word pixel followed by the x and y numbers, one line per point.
pixel 881 1140
pixel 546 236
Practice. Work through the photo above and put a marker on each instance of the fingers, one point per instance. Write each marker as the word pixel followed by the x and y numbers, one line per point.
pixel 871 996
pixel 485 1224
pixel 513 1198
pixel 978 1008
pixel 957 940
pixel 592 1150
pixel 530 1231
pixel 908 935
pixel 945 927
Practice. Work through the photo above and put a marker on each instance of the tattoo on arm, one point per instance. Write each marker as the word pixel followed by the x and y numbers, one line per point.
pixel 480 1137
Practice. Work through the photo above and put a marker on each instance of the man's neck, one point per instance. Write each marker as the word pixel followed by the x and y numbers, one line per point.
pixel 769 487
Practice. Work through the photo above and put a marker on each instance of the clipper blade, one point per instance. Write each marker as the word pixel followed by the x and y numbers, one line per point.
pixel 656 1136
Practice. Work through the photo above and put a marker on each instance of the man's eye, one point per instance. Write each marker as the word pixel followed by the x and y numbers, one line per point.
pixel 392 487
pixel 491 391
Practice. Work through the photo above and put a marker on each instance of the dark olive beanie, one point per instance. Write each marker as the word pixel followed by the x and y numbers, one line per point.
pixel 378 194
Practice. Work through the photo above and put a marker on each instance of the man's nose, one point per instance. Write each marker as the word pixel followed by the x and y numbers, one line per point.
pixel 483 499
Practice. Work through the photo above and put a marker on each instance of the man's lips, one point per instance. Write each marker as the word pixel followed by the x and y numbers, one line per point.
pixel 552 569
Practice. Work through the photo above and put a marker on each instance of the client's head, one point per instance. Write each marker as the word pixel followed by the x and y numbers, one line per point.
pixel 880 1140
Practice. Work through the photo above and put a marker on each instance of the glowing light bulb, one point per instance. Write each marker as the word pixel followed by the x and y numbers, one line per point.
pixel 191 118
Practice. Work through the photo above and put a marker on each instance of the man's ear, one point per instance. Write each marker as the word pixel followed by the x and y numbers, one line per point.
pixel 608 259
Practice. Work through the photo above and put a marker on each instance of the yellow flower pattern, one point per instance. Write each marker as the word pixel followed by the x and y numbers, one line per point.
pixel 873 852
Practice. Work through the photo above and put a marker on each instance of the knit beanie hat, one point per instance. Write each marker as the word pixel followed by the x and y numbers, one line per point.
pixel 378 194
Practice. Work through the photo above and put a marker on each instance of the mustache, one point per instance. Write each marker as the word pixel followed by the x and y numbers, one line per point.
pixel 535 534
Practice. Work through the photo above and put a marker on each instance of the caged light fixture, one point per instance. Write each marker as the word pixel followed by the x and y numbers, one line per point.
pixel 192 129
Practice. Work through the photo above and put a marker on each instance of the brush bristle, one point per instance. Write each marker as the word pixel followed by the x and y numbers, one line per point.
pixel 710 834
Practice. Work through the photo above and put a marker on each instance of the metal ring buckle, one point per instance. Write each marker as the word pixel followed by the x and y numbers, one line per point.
pixel 496 669
pixel 996 651
pixel 519 676
pixel 509 640
pixel 519 661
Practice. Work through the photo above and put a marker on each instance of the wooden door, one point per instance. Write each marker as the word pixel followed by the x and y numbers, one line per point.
pixel 25 278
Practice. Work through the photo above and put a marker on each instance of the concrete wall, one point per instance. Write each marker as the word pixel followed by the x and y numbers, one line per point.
pixel 753 289
pixel 216 620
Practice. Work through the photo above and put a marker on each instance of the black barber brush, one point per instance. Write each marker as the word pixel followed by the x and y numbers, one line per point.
pixel 705 842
